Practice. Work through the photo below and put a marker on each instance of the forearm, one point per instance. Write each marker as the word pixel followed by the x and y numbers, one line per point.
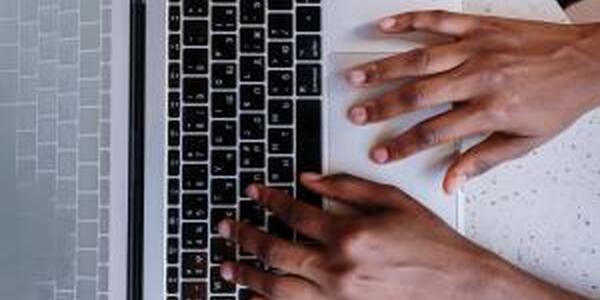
pixel 509 282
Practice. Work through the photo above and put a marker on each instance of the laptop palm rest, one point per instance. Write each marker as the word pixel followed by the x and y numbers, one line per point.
pixel 349 145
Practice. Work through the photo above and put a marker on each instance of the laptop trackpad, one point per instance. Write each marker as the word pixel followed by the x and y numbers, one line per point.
pixel 349 145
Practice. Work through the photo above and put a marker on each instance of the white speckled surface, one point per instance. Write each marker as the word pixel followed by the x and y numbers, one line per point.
pixel 543 211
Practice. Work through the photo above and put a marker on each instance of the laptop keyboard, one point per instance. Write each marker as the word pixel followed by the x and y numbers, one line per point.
pixel 244 106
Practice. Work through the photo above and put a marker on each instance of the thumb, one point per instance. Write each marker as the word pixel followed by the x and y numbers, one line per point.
pixel 495 150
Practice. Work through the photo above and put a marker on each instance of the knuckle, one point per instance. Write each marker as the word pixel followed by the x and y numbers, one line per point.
pixel 427 135
pixel 268 253
pixel 420 59
pixel 414 95
pixel 353 240
pixel 495 112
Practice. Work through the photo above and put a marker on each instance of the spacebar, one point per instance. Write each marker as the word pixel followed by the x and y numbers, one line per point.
pixel 308 145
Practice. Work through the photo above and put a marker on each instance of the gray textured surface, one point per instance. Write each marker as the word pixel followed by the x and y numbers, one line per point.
pixel 543 211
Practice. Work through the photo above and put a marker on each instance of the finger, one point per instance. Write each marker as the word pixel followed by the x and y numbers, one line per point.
pixel 275 252
pixel 435 21
pixel 352 190
pixel 307 219
pixel 441 89
pixel 496 149
pixel 442 129
pixel 415 63
pixel 271 286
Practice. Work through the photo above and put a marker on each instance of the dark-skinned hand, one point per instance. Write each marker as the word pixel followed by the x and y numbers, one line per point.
pixel 518 82
pixel 392 248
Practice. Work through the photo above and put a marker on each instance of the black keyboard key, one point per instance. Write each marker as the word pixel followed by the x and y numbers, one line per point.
pixel 308 47
pixel 223 191
pixel 281 112
pixel 224 76
pixel 174 162
pixel 194 236
pixel 195 207
pixel 224 18
pixel 195 148
pixel 195 177
pixel 174 75
pixel 280 4
pixel 217 215
pixel 223 105
pixel 174 105
pixel 252 12
pixel 195 33
pixel 252 97
pixel 173 191
pixel 224 162
pixel 224 46
pixel 245 294
pixel 308 80
pixel 281 26
pixel 173 221
pixel 308 18
pixel 281 141
pixel 252 213
pixel 194 265
pixel 281 55
pixel 172 280
pixel 195 8
pixel 252 127
pixel 308 145
pixel 195 90
pixel 248 178
pixel 174 133
pixel 224 133
pixel 252 40
pixel 193 291
pixel 172 250
pixel 252 155
pixel 279 229
pixel 174 18
pixel 281 169
pixel 195 61
pixel 218 285
pixel 222 298
pixel 174 46
pixel 195 119
pixel 308 136
pixel 281 83
pixel 221 250
pixel 252 68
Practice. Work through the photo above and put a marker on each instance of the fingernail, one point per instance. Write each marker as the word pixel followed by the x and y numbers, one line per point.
pixel 387 23
pixel 227 272
pixel 252 192
pixel 225 229
pixel 357 77
pixel 381 155
pixel 456 183
pixel 312 176
pixel 358 115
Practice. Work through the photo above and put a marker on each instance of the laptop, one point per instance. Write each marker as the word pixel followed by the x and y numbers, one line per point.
pixel 130 129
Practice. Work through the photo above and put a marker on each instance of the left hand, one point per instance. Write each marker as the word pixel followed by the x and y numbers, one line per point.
pixel 393 248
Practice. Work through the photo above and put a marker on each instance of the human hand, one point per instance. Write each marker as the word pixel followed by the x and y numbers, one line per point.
pixel 520 82
pixel 392 248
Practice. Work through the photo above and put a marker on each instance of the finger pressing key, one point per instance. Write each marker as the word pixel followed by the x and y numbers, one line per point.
pixel 274 252
pixel 307 219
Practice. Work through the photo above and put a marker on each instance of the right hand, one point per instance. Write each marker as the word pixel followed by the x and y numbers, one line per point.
pixel 520 82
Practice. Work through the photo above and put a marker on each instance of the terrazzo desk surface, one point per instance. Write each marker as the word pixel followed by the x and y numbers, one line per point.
pixel 542 212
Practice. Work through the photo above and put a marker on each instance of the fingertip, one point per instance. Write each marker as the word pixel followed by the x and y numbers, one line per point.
pixel 454 182
pixel 387 24
pixel 225 228
pixel 358 115
pixel 227 271
pixel 311 177
pixel 380 155
pixel 252 191
pixel 357 77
